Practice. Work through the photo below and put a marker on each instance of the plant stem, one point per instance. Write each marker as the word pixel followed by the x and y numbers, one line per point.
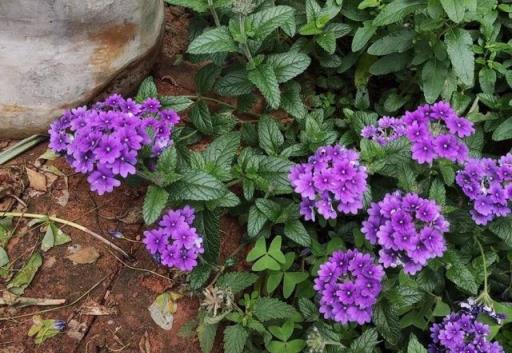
pixel 214 13
pixel 68 223
pixel 484 262
pixel 20 147
pixel 24 301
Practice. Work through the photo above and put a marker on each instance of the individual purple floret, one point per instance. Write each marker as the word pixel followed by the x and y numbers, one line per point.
pixel 331 181
pixel 488 183
pixel 462 332
pixel 175 243
pixel 408 228
pixel 104 140
pixel 434 131
pixel 349 284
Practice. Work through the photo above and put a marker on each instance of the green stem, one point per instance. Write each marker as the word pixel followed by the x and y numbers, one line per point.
pixel 20 147
pixel 67 223
pixel 214 13
pixel 484 262
pixel 187 136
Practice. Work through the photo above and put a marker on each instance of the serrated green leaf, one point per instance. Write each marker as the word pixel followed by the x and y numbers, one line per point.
pixel 199 276
pixel 236 281
pixel 397 10
pixel 154 203
pixel 266 309
pixel 363 35
pixel 264 77
pixel 438 192
pixel 176 103
pixel 415 346
pixel 201 118
pixel 235 337
pixel 459 273
pixel 433 76
pixel 266 21
pixel 288 65
pixel 487 79
pixel 327 41
pixel 269 136
pixel 365 343
pixel 220 154
pixel 455 9
pixel 213 41
pixel 234 83
pixel 205 78
pixel 255 222
pixel 208 224
pixel 275 171
pixel 387 322
pixel 291 100
pixel 196 185
pixel 147 89
pixel 502 227
pixel 458 45
pixel 503 131
pixel 295 230
pixel 396 42
pixel 206 334
pixel 389 63
pixel 308 309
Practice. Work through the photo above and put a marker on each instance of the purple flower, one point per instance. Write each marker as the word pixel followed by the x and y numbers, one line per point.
pixel 434 131
pixel 408 228
pixel 462 332
pixel 486 182
pixel 175 242
pixel 331 181
pixel 348 284
pixel 104 140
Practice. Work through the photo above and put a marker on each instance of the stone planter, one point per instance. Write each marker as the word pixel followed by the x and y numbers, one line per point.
pixel 58 54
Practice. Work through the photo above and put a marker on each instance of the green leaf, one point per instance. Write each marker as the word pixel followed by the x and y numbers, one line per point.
pixel 266 262
pixel 387 322
pixel 365 343
pixel 487 79
pixel 273 280
pixel 459 273
pixel 274 249
pixel 415 346
pixel 502 227
pixel 397 10
pixel 205 78
pixel 196 5
pixel 458 45
pixel 259 249
pixel 255 222
pixel 275 171
pixel 441 309
pixel 4 258
pixel 283 332
pixel 154 203
pixel 389 63
pixel 264 77
pixel 294 229
pixel 503 131
pixel 266 21
pixel 266 309
pixel 235 337
pixel 271 209
pixel 290 281
pixel 433 76
pixel 42 330
pixel 199 276
pixel 327 41
pixel 308 309
pixel 147 89
pixel 213 41
pixel 288 65
pixel 25 276
pixel 220 154
pixel 396 42
pixel 363 35
pixel 176 103
pixel 234 83
pixel 208 224
pixel 206 334
pixel 201 118
pixel 237 281
pixel 269 136
pixel 291 100
pixel 53 237
pixel 197 185
pixel 438 192
pixel 455 9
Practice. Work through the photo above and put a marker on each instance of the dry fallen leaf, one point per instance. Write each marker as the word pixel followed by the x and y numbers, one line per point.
pixel 144 344
pixel 76 330
pixel 36 180
pixel 87 255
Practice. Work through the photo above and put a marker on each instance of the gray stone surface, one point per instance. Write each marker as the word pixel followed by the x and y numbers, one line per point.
pixel 58 54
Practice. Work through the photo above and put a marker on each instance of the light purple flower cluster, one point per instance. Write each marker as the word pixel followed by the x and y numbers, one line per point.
pixel 175 243
pixel 408 228
pixel 332 180
pixel 349 284
pixel 461 332
pixel 104 140
pixel 435 131
pixel 488 183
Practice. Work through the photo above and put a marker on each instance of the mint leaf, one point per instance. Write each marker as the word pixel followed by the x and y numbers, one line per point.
pixel 266 309
pixel 236 281
pixel 396 42
pixel 295 230
pixel 234 83
pixel 154 203
pixel 266 21
pixel 397 10
pixel 433 76
pixel 288 65
pixel 235 337
pixel 459 273
pixel 365 343
pixel 455 9
pixel 201 118
pixel 415 346
pixel 213 41
pixel 147 89
pixel 502 227
pixel 363 35
pixel 269 136
pixel 220 154
pixel 458 45
pixel 255 222
pixel 264 77
pixel 197 185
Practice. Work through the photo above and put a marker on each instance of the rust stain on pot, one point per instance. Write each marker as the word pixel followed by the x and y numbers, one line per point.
pixel 110 42
pixel 12 108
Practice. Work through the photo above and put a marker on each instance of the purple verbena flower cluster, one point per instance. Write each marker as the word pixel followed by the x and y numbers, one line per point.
pixel 488 183
pixel 408 228
pixel 461 332
pixel 435 131
pixel 104 140
pixel 349 284
pixel 175 243
pixel 331 181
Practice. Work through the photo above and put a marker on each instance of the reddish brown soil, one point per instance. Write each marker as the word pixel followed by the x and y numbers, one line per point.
pixel 128 291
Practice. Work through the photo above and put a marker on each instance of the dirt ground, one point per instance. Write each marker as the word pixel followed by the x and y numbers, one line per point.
pixel 125 293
